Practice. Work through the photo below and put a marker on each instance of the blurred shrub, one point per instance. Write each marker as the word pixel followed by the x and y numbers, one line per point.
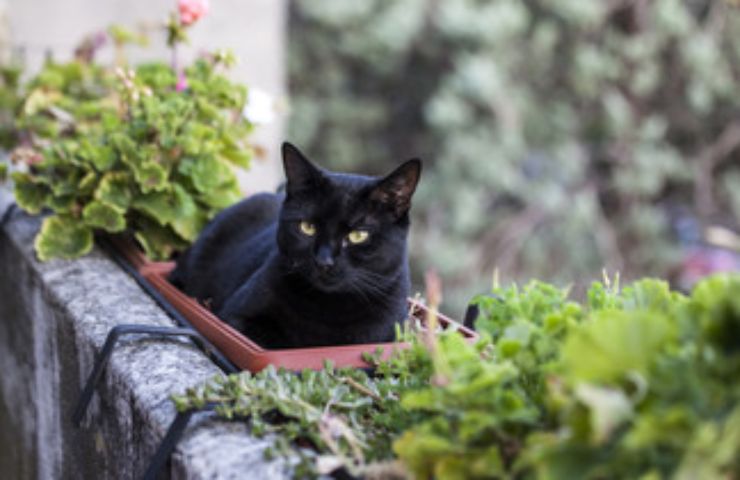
pixel 560 136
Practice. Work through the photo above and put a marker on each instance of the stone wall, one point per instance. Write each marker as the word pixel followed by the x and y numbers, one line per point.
pixel 54 318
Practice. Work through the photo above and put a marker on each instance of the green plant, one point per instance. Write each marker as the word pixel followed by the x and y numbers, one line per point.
pixel 143 149
pixel 9 103
pixel 10 100
pixel 633 383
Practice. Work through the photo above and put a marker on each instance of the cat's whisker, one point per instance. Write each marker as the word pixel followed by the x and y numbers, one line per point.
pixel 367 286
pixel 359 291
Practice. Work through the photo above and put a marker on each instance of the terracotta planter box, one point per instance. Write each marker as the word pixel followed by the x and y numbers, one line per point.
pixel 245 353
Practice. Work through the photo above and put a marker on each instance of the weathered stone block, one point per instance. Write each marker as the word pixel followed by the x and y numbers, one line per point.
pixel 54 318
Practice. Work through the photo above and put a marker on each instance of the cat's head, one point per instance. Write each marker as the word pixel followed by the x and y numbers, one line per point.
pixel 345 232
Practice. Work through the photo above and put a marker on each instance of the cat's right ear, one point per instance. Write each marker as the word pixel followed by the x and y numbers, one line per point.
pixel 395 189
pixel 300 173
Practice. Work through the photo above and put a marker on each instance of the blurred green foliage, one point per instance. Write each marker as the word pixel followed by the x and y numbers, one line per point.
pixel 634 382
pixel 10 99
pixel 125 150
pixel 559 137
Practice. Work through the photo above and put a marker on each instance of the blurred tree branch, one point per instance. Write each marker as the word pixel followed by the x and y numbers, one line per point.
pixel 707 161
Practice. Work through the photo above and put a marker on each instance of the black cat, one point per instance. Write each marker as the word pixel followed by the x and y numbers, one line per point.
pixel 323 264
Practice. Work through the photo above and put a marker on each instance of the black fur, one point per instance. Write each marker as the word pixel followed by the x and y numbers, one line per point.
pixel 261 274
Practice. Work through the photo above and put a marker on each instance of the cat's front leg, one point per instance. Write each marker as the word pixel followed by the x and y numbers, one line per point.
pixel 249 300
pixel 250 308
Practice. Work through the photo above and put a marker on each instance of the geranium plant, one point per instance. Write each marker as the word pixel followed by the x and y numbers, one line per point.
pixel 117 149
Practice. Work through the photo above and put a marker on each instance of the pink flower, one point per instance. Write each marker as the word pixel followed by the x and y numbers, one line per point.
pixel 704 261
pixel 182 83
pixel 192 10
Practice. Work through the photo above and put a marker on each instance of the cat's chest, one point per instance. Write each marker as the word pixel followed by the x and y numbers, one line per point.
pixel 315 310
pixel 334 321
pixel 329 327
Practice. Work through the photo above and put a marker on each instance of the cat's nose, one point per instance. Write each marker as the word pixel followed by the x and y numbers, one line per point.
pixel 324 258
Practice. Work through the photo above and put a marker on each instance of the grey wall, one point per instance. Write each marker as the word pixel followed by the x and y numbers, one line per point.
pixel 253 29
pixel 54 318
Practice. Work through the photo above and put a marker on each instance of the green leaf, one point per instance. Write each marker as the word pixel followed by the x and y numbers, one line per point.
pixel 159 206
pixel 238 156
pixel 115 188
pixel 38 100
pixel 208 174
pixel 102 215
pixel 103 158
pixel 175 208
pixel 423 451
pixel 190 223
pixel 63 237
pixel 713 451
pixel 609 408
pixel 159 242
pixel 715 302
pixel 65 180
pixel 151 177
pixel 225 196
pixel 651 294
pixel 63 204
pixel 615 343
pixel 123 144
pixel 29 193
pixel 123 36
pixel 88 183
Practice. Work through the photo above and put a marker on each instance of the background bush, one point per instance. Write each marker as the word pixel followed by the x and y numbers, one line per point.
pixel 559 137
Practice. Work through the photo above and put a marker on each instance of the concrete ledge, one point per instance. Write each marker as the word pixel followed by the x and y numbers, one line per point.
pixel 54 318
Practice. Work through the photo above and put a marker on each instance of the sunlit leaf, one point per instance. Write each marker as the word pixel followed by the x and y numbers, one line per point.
pixel 102 215
pixel 63 237
pixel 30 194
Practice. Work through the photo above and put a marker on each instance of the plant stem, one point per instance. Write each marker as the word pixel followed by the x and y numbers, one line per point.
pixel 361 388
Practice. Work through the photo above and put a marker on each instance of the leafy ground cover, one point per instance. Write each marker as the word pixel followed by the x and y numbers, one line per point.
pixel 634 382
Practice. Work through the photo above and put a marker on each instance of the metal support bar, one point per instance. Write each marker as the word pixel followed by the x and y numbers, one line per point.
pixel 171 438
pixel 180 423
pixel 104 356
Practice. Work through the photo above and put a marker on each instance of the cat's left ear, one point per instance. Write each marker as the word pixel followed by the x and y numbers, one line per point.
pixel 396 189
pixel 300 173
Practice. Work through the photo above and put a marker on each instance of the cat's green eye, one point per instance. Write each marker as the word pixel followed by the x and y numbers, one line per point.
pixel 358 236
pixel 308 228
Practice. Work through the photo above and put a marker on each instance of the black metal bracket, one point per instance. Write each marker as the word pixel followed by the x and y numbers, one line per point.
pixel 181 420
pixel 104 356
pixel 209 349
pixel 171 439
pixel 168 444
